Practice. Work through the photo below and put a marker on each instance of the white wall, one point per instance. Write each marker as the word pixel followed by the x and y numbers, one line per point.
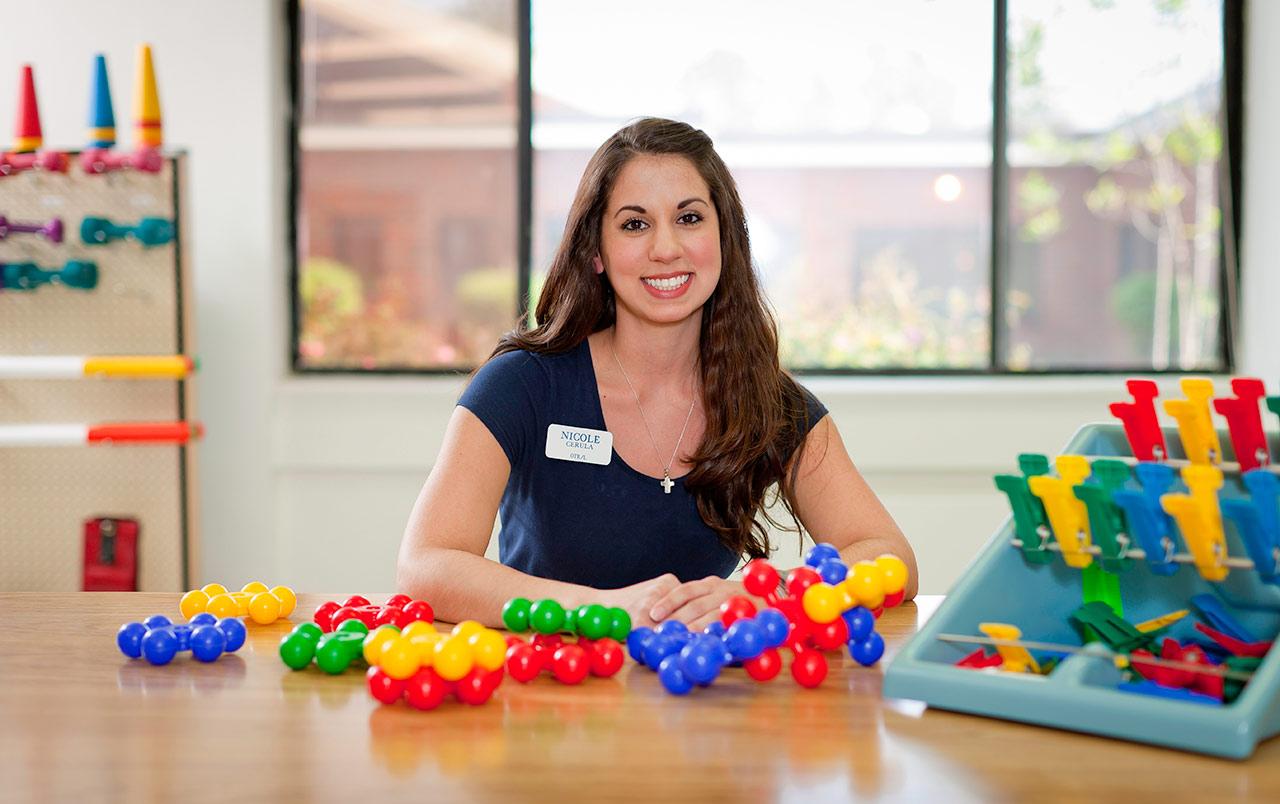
pixel 309 480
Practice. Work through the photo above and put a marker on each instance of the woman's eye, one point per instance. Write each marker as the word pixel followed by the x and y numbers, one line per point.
pixel 690 218
pixel 634 225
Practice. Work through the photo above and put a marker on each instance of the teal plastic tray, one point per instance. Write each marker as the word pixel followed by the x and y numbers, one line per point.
pixel 1080 693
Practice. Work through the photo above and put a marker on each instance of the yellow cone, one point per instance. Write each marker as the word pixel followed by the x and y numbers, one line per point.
pixel 146 102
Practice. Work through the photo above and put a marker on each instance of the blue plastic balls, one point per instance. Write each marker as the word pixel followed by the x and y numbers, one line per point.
pixel 207 643
pixel 861 623
pixel 775 625
pixel 868 651
pixel 233 629
pixel 672 678
pixel 818 553
pixel 745 640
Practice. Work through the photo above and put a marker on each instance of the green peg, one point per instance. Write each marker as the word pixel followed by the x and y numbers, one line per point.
pixel 1028 517
pixel 1033 463
pixel 1273 404
pixel 1111 628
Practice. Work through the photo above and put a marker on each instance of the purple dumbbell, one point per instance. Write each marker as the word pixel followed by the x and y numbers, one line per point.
pixel 52 231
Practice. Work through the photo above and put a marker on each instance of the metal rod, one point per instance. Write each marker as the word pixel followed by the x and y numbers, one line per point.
pixel 1212 670
pixel 1225 466
pixel 1138 553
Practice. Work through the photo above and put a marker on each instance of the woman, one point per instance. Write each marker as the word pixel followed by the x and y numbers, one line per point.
pixel 629 439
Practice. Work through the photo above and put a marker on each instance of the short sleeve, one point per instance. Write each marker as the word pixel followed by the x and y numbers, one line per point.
pixel 813 408
pixel 500 395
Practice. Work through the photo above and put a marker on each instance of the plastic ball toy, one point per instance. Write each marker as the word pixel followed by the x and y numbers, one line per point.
pixel 568 662
pixel 158 640
pixel 591 621
pixel 333 652
pixel 399 610
pixel 423 666
pixel 827 606
pixel 254 600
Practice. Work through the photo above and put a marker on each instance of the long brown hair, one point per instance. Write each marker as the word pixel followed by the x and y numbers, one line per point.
pixel 756 413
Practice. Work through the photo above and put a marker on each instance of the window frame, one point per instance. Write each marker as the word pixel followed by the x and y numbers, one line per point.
pixel 1233 43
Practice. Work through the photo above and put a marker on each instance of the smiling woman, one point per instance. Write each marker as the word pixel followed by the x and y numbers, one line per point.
pixel 654 341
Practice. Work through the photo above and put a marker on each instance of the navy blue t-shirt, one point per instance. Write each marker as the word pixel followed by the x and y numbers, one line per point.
pixel 601 526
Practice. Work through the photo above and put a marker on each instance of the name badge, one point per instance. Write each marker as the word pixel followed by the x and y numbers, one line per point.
pixel 579 444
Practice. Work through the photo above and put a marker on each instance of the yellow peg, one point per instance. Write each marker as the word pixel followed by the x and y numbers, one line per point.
pixel 1195 426
pixel 1163 621
pixel 1200 519
pixel 1017 659
pixel 1068 518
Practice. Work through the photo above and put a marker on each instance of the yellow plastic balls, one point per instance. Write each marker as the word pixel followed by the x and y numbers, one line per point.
pixel 193 603
pixel 374 642
pixel 254 587
pixel 399 659
pixel 453 658
pixel 822 603
pixel 866 583
pixel 264 608
pixel 223 605
pixel 895 573
pixel 489 649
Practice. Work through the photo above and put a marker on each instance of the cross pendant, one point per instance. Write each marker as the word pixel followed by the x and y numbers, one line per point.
pixel 667 483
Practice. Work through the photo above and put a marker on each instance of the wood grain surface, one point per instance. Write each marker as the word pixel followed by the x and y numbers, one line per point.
pixel 79 721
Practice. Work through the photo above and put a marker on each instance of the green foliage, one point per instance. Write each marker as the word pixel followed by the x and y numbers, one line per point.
pixel 893 322
pixel 328 285
pixel 1038 198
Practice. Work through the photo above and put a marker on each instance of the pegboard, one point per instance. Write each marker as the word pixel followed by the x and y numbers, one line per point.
pixel 140 307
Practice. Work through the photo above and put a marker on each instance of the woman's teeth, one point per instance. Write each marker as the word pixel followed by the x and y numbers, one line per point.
pixel 667 284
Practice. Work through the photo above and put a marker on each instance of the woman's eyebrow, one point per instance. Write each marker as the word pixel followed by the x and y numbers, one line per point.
pixel 689 201
pixel 631 208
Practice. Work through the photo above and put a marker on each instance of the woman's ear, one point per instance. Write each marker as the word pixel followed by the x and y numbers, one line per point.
pixel 599 265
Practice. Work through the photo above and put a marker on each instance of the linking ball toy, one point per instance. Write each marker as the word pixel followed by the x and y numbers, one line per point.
pixel 422 665
pixel 399 610
pixel 591 621
pixel 158 639
pixel 828 605
pixel 333 652
pixel 569 662
pixel 254 600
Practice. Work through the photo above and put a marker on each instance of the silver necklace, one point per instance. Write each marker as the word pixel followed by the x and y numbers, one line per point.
pixel 666 481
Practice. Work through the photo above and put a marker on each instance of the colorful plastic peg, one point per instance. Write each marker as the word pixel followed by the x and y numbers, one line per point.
pixel 1141 426
pixel 1244 422
pixel 1147 520
pixel 1195 426
pixel 1068 517
pixel 1106 520
pixel 1200 519
pixel 1029 520
pixel 1017 659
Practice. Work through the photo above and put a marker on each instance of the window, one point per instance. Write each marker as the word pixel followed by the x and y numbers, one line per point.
pixel 1064 213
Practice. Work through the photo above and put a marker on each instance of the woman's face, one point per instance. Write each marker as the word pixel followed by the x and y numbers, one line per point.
pixel 661 239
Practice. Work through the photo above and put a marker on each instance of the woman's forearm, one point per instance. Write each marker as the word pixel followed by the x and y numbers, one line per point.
pixel 464 586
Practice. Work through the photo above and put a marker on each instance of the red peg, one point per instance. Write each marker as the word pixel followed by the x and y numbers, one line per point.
pixel 1244 421
pixel 1141 426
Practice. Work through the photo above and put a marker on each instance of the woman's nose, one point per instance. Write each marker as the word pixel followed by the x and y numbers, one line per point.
pixel 665 246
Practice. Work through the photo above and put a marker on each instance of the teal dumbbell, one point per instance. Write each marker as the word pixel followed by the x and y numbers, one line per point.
pixel 29 276
pixel 148 231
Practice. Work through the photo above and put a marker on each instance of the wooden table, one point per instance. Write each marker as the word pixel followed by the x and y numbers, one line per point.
pixel 78 721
